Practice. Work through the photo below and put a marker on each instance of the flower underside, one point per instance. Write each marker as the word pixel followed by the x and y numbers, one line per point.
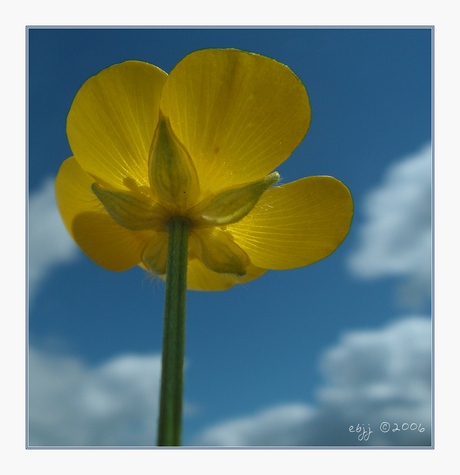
pixel 198 145
pixel 175 193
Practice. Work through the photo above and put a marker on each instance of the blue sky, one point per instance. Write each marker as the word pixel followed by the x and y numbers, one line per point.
pixel 295 357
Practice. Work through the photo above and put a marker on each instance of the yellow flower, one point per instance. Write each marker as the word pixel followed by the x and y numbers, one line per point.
pixel 198 144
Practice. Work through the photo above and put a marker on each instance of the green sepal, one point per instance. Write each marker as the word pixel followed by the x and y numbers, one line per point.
pixel 233 204
pixel 129 211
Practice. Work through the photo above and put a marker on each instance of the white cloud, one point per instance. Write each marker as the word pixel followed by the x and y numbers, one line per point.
pixel 370 377
pixel 49 241
pixel 396 235
pixel 281 425
pixel 115 403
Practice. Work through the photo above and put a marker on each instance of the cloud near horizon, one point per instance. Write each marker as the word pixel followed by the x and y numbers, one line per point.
pixel 395 238
pixel 369 378
pixel 112 404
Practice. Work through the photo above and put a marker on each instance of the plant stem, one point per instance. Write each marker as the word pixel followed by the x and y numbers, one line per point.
pixel 170 420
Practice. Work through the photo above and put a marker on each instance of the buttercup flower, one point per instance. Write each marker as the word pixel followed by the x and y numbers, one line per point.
pixel 201 144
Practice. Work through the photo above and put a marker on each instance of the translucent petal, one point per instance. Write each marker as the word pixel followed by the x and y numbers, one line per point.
pixel 112 120
pixel 199 277
pixel 238 114
pixel 218 251
pixel 156 253
pixel 103 240
pixel 296 224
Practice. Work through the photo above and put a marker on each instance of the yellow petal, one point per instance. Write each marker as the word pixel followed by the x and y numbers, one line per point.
pixel 155 255
pixel 218 251
pixel 112 120
pixel 199 277
pixel 296 224
pixel 103 240
pixel 238 114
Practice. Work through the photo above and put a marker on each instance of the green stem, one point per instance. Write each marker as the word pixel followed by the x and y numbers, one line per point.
pixel 170 420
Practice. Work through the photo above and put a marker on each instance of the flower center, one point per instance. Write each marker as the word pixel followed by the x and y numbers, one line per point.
pixel 175 192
